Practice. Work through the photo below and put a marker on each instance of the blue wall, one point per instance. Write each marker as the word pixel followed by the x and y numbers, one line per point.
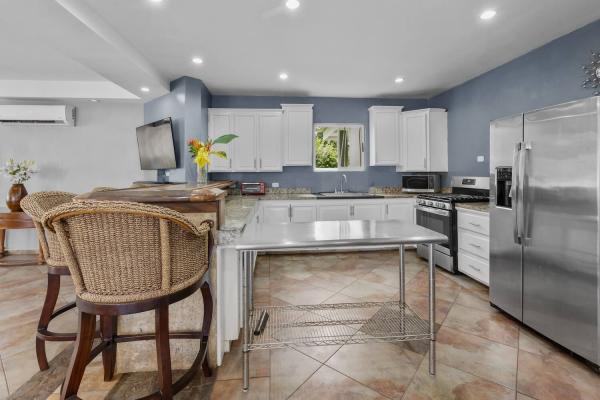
pixel 548 75
pixel 326 109
pixel 187 104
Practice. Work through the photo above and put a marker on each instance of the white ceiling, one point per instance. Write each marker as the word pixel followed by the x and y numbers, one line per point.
pixel 347 48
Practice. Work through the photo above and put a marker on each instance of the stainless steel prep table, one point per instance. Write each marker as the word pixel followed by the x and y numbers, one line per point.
pixel 325 324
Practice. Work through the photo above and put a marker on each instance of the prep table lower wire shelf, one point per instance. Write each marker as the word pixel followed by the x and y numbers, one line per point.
pixel 337 324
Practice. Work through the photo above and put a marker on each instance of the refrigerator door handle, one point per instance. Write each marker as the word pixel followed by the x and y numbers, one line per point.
pixel 525 232
pixel 514 193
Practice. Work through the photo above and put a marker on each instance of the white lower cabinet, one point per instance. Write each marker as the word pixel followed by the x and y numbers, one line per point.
pixel 474 244
pixel 328 211
pixel 372 211
pixel 401 209
pixel 303 212
pixel 276 211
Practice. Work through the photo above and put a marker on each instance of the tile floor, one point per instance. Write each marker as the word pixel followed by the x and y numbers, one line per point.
pixel 481 353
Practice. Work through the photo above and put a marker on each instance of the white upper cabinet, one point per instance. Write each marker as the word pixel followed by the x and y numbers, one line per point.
pixel 415 142
pixel 297 134
pixel 219 123
pixel 259 146
pixel 385 131
pixel 244 146
pixel 424 141
pixel 270 141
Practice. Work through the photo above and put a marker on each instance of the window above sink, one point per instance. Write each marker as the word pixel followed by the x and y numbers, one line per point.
pixel 338 147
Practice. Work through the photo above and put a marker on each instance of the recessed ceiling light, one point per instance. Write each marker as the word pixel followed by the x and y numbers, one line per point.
pixel 156 1
pixel 488 14
pixel 399 80
pixel 292 4
pixel 145 89
pixel 94 100
pixel 197 60
pixel 283 76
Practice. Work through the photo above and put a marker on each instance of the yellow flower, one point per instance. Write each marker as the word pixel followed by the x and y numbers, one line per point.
pixel 202 158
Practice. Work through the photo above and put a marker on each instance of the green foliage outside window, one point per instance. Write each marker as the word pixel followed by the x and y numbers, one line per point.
pixel 326 152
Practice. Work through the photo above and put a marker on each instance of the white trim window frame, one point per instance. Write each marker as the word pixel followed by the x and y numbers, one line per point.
pixel 361 128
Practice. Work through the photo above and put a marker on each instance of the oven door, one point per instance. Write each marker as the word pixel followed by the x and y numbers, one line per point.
pixel 440 221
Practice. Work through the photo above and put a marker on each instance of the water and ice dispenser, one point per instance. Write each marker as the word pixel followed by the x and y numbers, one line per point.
pixel 503 187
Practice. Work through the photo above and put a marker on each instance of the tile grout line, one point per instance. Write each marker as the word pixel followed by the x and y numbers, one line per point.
pixel 4 376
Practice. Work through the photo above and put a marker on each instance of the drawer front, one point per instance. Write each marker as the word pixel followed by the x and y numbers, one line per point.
pixel 474 267
pixel 475 223
pixel 474 243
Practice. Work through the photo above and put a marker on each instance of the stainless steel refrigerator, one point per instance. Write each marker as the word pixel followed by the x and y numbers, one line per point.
pixel 544 228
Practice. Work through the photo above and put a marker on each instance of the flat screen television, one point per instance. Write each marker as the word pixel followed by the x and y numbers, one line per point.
pixel 156 148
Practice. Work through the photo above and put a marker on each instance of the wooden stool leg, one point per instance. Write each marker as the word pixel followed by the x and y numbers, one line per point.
pixel 163 351
pixel 52 292
pixel 206 321
pixel 2 236
pixel 108 326
pixel 81 355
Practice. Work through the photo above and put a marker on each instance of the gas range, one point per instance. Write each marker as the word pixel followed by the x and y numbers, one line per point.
pixel 437 212
pixel 446 200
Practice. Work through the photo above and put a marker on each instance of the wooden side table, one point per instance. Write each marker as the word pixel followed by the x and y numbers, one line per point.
pixel 16 220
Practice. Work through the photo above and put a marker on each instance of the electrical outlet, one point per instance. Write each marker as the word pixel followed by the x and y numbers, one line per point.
pixel 480 158
pixel 275 184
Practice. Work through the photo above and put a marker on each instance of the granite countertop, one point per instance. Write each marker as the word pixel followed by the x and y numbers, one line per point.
pixel 481 206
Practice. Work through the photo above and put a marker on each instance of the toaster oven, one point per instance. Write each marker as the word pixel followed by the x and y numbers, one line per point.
pixel 257 188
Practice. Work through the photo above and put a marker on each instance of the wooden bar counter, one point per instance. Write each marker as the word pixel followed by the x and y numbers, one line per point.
pixel 189 198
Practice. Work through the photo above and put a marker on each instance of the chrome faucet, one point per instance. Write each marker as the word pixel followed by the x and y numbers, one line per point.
pixel 343 180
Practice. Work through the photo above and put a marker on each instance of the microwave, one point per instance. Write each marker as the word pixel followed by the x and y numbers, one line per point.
pixel 429 183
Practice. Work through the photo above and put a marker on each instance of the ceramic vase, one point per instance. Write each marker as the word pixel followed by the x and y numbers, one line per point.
pixel 15 194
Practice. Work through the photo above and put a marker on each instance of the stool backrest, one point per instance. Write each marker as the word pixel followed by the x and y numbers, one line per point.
pixel 36 205
pixel 122 252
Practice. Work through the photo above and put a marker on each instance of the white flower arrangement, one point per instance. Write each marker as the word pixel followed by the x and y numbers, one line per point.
pixel 19 171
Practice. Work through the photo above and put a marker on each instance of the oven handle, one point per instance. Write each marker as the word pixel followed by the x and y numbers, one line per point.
pixel 432 210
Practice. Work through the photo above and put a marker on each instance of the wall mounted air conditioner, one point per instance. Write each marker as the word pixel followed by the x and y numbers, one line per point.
pixel 22 114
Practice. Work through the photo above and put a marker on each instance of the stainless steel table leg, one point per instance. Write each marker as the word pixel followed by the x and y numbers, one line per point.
pixel 431 311
pixel 402 286
pixel 402 276
pixel 246 290
pixel 251 261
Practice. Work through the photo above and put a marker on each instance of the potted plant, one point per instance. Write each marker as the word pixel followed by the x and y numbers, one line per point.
pixel 201 153
pixel 18 172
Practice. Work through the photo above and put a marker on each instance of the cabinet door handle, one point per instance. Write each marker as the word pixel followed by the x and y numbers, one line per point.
pixel 475 245
pixel 425 163
pixel 387 210
pixel 352 211
pixel 475 268
pixel 255 163
pixel 230 163
pixel 290 212
pixel 260 163
pixel 474 224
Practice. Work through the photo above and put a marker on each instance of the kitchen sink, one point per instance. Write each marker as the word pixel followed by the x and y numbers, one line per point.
pixel 347 195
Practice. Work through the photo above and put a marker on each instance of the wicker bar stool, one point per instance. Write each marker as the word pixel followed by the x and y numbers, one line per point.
pixel 129 258
pixel 35 205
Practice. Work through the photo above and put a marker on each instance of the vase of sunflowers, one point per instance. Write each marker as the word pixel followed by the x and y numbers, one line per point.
pixel 201 153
